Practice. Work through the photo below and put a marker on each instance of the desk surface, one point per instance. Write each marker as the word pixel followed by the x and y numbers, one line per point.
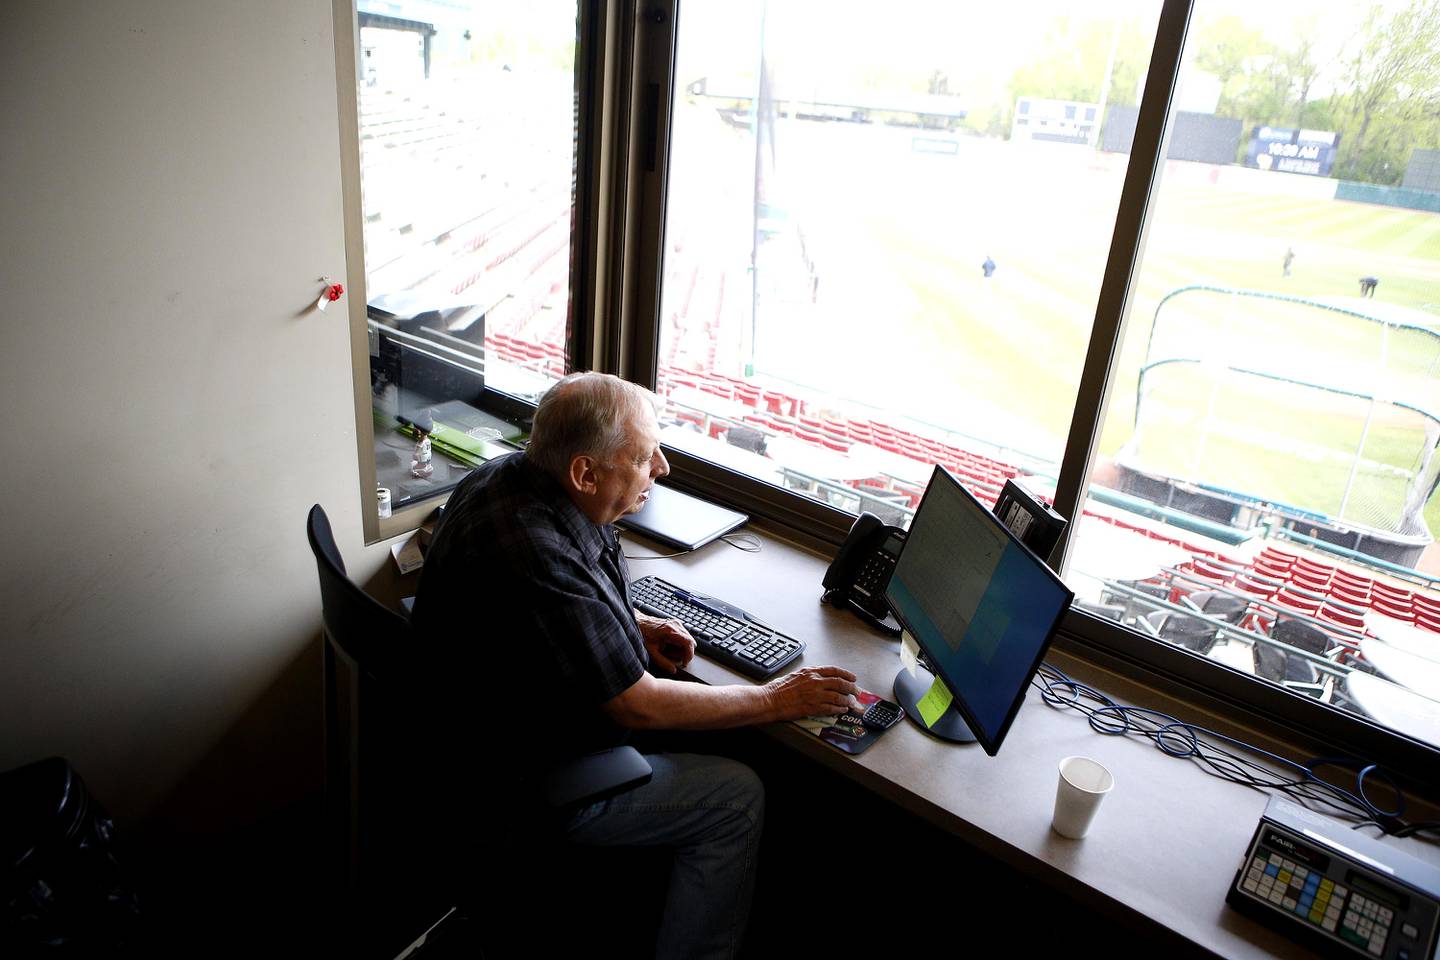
pixel 1166 842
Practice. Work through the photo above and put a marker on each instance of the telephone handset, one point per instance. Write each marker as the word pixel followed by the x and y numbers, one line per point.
pixel 860 572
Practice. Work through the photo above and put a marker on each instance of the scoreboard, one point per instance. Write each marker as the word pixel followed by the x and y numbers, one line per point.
pixel 1289 150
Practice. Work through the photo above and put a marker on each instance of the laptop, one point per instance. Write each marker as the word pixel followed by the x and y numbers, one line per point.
pixel 680 520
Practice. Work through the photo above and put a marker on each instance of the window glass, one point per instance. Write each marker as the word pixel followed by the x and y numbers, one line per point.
pixel 1264 490
pixel 467 142
pixel 885 237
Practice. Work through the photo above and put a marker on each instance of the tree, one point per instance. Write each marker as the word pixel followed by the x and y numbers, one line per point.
pixel 1229 49
pixel 1303 66
pixel 1070 64
pixel 1392 83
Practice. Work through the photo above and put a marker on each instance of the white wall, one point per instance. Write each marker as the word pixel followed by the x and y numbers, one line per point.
pixel 169 195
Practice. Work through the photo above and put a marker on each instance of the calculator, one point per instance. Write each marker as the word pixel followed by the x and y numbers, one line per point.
pixel 880 715
pixel 1335 889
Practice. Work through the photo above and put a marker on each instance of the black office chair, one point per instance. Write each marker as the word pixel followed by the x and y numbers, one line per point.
pixel 406 830
pixel 1276 664
pixel 1301 635
pixel 746 438
pixel 1218 604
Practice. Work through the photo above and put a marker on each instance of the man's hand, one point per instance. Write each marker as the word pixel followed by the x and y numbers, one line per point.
pixel 811 691
pixel 670 644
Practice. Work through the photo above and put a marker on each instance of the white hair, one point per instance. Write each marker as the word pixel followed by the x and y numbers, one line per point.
pixel 585 414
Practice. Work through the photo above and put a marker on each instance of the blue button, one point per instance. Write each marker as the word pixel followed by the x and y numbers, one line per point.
pixel 1271 870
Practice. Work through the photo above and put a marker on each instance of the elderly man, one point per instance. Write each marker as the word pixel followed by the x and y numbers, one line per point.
pixel 526 580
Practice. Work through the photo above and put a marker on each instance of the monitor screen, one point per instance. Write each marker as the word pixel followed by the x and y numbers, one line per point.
pixel 981 606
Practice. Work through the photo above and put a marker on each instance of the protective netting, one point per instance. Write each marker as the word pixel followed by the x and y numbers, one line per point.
pixel 1324 408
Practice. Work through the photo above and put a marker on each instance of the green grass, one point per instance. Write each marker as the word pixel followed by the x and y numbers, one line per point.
pixel 903 236
pixel 1187 435
pixel 1200 234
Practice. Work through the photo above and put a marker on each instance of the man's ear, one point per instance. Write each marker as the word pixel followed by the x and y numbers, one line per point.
pixel 583 476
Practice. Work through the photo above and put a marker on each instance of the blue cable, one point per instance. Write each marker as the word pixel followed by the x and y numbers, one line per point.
pixel 1177 738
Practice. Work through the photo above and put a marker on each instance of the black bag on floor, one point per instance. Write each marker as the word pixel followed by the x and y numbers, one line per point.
pixel 62 886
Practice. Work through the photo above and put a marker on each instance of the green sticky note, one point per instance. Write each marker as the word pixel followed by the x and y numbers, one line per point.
pixel 935 702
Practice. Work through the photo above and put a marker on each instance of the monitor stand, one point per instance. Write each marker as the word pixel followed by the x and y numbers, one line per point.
pixel 910 690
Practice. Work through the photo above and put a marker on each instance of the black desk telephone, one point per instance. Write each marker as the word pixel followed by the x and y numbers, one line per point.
pixel 860 572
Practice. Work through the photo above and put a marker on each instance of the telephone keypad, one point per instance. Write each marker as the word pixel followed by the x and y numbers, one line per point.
pixel 873 574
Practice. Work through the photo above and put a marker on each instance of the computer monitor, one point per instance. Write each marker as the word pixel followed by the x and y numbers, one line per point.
pixel 981 606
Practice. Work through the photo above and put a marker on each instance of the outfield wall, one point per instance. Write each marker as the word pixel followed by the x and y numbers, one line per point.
pixel 1200 137
pixel 1389 196
pixel 1250 180
pixel 1201 143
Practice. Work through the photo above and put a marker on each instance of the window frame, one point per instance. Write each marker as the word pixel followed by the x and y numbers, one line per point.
pixel 1246 699
pixel 602 131
pixel 624 71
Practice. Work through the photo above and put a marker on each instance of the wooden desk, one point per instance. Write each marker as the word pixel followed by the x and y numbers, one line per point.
pixel 1164 846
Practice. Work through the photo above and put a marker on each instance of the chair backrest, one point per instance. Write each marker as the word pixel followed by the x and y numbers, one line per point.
pixel 1223 606
pixel 1274 664
pixel 1301 635
pixel 1269 662
pixel 746 438
pixel 369 743
pixel 366 631
pixel 1189 632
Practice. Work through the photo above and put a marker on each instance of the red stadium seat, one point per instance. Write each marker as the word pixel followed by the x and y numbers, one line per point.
pixel 1270 570
pixel 1278 558
pixel 1383 606
pixel 1262 590
pixel 1423 602
pixel 1288 597
pixel 1310 582
pixel 1427 622
pixel 1343 617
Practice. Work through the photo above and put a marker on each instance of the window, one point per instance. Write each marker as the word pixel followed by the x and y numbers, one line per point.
pixel 467 118
pixel 1168 264
pixel 1263 493
pixel 879 256
pixel 865 272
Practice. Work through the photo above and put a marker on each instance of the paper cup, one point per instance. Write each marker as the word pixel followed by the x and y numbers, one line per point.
pixel 1083 784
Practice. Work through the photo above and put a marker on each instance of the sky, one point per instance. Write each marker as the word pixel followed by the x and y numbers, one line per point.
pixel 969 39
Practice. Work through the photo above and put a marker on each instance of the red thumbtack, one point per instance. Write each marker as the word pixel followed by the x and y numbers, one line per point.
pixel 331 293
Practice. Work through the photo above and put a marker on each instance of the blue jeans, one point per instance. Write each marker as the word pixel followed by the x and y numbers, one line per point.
pixel 709 811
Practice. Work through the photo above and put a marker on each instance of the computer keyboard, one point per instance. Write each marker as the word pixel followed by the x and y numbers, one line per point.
pixel 722 631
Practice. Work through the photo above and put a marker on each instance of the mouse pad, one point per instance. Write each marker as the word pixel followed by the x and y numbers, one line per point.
pixel 851 738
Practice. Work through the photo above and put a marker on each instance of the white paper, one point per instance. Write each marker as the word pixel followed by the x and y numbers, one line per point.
pixel 407 553
pixel 909 652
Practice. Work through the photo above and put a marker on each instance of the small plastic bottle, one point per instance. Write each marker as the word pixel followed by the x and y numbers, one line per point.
pixel 420 465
